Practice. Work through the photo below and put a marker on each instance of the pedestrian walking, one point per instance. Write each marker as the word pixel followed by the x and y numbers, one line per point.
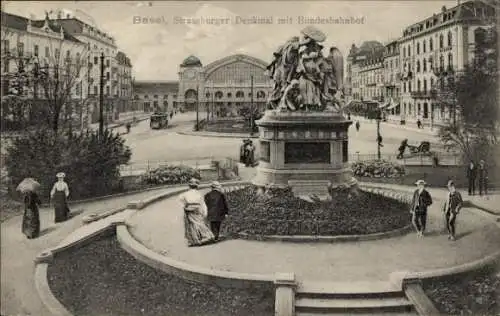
pixel 128 126
pixel 249 154
pixel 402 148
pixel 357 126
pixel 243 150
pixel 379 140
pixel 419 123
pixel 451 208
pixel 196 230
pixel 482 173
pixel 471 177
pixel 349 116
pixel 31 216
pixel 421 201
pixel 217 208
pixel 59 196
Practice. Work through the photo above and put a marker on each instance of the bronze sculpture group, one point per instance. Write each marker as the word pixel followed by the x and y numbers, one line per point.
pixel 303 78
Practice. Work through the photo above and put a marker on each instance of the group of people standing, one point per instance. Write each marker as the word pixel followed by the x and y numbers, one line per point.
pixel 422 200
pixel 203 215
pixel 59 198
pixel 477 174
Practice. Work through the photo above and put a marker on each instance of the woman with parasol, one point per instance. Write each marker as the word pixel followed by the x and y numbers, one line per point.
pixel 31 216
pixel 59 196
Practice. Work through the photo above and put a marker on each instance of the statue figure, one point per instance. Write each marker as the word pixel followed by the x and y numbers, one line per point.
pixel 303 77
pixel 282 69
pixel 291 99
pixel 309 72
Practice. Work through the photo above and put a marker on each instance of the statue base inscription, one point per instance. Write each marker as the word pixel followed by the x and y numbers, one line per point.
pixel 299 149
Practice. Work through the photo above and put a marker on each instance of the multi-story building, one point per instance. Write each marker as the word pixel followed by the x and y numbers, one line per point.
pixel 433 49
pixel 124 77
pixel 364 86
pixel 392 76
pixel 152 96
pixel 43 45
pixel 99 43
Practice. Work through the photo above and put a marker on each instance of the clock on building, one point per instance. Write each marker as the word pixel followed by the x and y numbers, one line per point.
pixel 190 73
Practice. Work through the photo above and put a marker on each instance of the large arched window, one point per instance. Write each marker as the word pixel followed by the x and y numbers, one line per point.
pixel 450 39
pixel 229 94
pixel 441 41
pixel 207 95
pixel 219 94
pixel 431 48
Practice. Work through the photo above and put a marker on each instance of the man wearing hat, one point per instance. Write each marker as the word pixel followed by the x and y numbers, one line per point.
pixel 482 174
pixel 451 208
pixel 421 201
pixel 217 208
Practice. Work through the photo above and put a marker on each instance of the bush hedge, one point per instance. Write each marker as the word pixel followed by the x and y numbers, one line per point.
pixel 377 169
pixel 170 175
pixel 278 212
pixel 91 164
pixel 112 282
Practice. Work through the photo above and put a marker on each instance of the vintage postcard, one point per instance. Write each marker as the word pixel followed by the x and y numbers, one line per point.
pixel 250 158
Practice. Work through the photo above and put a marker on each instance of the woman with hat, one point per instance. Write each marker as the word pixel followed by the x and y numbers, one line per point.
pixel 196 230
pixel 59 196
pixel 421 201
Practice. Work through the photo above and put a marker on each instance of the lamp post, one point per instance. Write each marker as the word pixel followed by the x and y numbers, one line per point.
pixel 197 109
pixel 379 137
pixel 101 97
pixel 251 106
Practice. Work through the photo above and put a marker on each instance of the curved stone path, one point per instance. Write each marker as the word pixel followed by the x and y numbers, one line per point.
pixel 160 228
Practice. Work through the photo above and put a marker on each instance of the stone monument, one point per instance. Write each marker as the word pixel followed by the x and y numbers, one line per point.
pixel 303 135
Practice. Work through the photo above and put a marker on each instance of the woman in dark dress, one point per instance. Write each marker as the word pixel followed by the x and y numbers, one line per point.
pixel 31 217
pixel 59 196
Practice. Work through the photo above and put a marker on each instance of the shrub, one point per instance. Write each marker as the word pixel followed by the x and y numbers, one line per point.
pixel 170 175
pixel 91 164
pixel 377 169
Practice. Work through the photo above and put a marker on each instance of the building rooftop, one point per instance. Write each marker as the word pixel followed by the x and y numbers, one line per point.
pixel 21 23
pixel 191 61
pixel 167 86
pixel 470 10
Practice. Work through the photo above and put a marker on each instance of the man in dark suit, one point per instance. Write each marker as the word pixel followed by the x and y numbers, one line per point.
pixel 217 208
pixel 451 208
pixel 471 176
pixel 421 201
pixel 482 174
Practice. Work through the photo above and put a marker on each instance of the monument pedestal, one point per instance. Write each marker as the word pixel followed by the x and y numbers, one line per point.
pixel 307 151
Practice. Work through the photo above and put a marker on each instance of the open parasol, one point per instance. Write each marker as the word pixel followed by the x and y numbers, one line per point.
pixel 314 33
pixel 28 185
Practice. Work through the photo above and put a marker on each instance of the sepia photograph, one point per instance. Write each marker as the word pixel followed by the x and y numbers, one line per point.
pixel 250 158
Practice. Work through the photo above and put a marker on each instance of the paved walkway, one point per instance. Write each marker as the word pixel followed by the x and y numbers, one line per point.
pixel 18 293
pixel 160 227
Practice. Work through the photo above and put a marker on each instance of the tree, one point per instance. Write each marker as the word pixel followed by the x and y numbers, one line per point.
pixel 49 82
pixel 472 97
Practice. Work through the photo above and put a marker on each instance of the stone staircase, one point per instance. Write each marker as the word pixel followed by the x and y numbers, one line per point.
pixel 352 299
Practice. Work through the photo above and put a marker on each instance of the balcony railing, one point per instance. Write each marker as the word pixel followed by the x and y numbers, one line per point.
pixel 421 94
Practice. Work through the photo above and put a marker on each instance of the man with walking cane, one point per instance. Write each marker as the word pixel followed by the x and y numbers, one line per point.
pixel 421 201
pixel 451 208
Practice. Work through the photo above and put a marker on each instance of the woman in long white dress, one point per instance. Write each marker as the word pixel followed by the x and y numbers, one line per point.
pixel 196 230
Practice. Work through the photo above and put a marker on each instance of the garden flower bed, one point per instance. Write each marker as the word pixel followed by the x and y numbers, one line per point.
pixel 170 175
pixel 111 282
pixel 377 169
pixel 280 213
pixel 476 294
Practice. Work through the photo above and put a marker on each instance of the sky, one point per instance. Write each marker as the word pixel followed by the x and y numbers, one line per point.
pixel 157 49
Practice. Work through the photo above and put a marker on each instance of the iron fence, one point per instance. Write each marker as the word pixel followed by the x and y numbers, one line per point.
pixel 443 159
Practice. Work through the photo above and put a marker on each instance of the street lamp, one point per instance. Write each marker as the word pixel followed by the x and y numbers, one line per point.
pixel 379 137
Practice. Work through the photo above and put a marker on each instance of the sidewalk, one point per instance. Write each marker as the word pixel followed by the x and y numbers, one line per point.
pixel 18 293
pixel 159 227
pixel 426 130
pixel 217 134
pixel 119 123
